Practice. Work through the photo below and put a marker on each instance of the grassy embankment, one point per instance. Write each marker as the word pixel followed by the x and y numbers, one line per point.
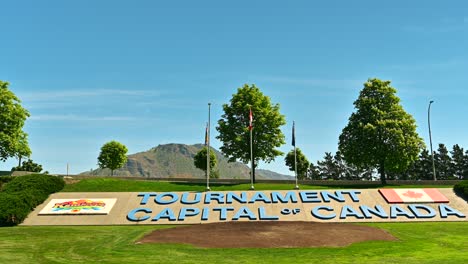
pixel 118 185
pixel 417 242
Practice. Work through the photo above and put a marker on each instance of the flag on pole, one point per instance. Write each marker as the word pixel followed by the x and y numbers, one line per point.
pixel 206 135
pixel 250 119
pixel 293 136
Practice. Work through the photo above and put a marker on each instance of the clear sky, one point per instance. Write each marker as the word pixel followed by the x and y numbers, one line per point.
pixel 143 72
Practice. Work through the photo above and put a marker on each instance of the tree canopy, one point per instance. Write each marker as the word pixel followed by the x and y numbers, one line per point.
pixel 301 161
pixel 199 160
pixel 233 127
pixel 13 140
pixel 112 156
pixel 380 134
pixel 28 165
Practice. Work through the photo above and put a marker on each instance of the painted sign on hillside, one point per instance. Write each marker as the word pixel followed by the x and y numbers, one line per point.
pixel 367 205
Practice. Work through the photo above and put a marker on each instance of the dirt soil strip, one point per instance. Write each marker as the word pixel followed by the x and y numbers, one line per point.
pixel 267 235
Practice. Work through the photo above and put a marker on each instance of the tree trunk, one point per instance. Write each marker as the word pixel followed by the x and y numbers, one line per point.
pixel 112 172
pixel 19 161
pixel 382 173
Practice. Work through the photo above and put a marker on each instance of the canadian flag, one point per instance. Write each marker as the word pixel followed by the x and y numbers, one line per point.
pixel 429 195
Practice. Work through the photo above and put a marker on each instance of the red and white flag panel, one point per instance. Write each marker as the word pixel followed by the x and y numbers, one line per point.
pixel 428 195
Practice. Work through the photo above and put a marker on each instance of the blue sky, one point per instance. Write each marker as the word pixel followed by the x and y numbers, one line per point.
pixel 142 72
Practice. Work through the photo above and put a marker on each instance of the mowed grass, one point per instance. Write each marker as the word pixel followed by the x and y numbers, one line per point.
pixel 120 185
pixel 417 243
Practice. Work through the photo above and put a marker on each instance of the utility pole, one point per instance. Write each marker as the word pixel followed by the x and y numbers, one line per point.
pixel 430 138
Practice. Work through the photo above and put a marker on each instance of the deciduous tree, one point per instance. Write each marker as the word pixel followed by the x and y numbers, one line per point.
pixel 380 134
pixel 28 165
pixel 112 156
pixel 233 127
pixel 13 140
pixel 199 160
pixel 301 161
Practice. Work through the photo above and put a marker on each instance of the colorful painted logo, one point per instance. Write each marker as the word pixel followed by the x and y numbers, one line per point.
pixel 78 206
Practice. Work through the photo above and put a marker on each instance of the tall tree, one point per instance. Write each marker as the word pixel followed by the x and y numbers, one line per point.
pixel 13 140
pixel 28 165
pixel 112 156
pixel 314 173
pixel 444 169
pixel 380 133
pixel 233 127
pixel 327 167
pixel 22 148
pixel 458 161
pixel 301 161
pixel 465 166
pixel 199 160
pixel 423 166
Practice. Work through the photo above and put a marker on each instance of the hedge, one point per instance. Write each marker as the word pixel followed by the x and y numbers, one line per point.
pixel 461 188
pixel 46 183
pixel 22 194
pixel 4 180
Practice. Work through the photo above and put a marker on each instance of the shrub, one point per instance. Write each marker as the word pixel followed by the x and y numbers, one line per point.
pixel 12 209
pixel 461 188
pixel 22 194
pixel 45 183
pixel 4 180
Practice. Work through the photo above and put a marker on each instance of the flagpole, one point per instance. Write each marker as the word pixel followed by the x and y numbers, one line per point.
pixel 251 150
pixel 295 160
pixel 208 151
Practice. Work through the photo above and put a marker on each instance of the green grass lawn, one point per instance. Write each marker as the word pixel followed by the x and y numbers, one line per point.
pixel 119 185
pixel 418 243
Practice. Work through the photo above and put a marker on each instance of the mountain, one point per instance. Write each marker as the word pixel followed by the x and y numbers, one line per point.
pixel 176 161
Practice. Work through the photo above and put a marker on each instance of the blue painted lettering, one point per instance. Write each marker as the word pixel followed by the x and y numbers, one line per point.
pixel 185 200
pixel 209 196
pixel 146 196
pixel 205 213
pixel 353 194
pixel 446 210
pixel 416 209
pixel 289 196
pixel 223 212
pixel 188 212
pixel 161 198
pixel 165 214
pixel 259 197
pixel 263 216
pixel 377 211
pixel 242 198
pixel 317 214
pixel 349 211
pixel 244 212
pixel 309 197
pixel 337 196
pixel 396 211
pixel 131 216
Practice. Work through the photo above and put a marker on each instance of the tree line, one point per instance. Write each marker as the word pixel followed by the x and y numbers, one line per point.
pixel 449 165
pixel 379 139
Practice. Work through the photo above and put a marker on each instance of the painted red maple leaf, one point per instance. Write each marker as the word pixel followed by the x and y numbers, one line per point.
pixel 411 194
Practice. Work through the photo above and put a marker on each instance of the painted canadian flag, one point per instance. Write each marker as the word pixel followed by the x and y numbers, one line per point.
pixel 429 195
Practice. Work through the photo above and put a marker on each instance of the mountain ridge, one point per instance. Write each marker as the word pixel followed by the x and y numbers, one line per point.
pixel 175 160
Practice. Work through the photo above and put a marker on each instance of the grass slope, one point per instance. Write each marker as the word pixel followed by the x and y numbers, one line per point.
pixel 418 243
pixel 119 185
